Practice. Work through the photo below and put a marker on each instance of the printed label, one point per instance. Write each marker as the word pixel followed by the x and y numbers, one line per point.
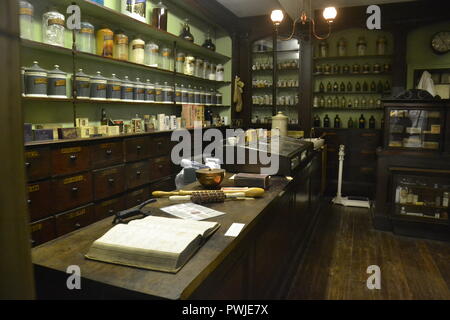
pixel 57 21
pixel 26 11
pixel 73 179
pixel 36 227
pixel 60 83
pixel 86 30
pixel 71 150
pixel 33 188
pixel 31 154
pixel 40 80
pixel 76 214
pixel 138 46
pixel 101 87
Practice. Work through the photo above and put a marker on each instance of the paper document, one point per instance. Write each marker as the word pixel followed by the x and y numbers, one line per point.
pixel 191 211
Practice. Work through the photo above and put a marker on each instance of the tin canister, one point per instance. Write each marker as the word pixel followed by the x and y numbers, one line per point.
pixel 149 91
pixel 57 83
pixel 207 98
pixel 113 88
pixel 177 93
pixel 127 89
pixel 190 93
pixel 98 87
pixel 202 96
pixel 167 93
pixel 196 96
pixel 213 97
pixel 158 92
pixel 36 81
pixel 184 95
pixel 139 90
pixel 82 84
pixel 219 98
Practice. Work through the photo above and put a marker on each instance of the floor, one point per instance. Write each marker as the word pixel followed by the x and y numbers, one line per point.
pixel 345 244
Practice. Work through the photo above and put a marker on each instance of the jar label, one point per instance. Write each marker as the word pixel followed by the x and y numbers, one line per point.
pixel 107 37
pixel 60 83
pixel 129 89
pixel 140 91
pixel 155 50
pixel 101 87
pixel 57 21
pixel 166 54
pixel 121 40
pixel 87 30
pixel 115 88
pixel 138 46
pixel 40 81
pixel 26 11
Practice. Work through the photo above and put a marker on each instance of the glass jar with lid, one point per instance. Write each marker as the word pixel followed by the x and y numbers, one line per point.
pixel 139 90
pixel 82 84
pixel 177 93
pixel 381 45
pixel 213 97
pixel 190 93
pixel 198 68
pixel 166 57
pixel 207 97
pixel 361 46
pixel 152 54
pixel 189 65
pixel 53 27
pixel 206 69
pixel 196 96
pixel 159 16
pixel 113 88
pixel 85 39
pixel 120 46
pixel 57 83
pixel 149 91
pixel 180 61
pixel 127 89
pixel 135 9
pixel 36 81
pixel 219 72
pixel 219 98
pixel 323 49
pixel 212 72
pixel 342 47
pixel 26 11
pixel 202 96
pixel 184 95
pixel 137 50
pixel 105 42
pixel 98 87
pixel 167 92
pixel 158 92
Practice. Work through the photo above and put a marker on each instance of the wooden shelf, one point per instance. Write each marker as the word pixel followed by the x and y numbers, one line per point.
pixel 334 93
pixel 355 57
pixel 279 70
pixel 346 109
pixel 278 51
pixel 94 57
pixel 351 74
pixel 99 15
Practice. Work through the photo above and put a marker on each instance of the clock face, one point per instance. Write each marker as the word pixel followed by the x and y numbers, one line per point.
pixel 440 42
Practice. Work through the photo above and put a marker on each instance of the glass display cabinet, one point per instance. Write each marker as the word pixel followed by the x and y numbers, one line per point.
pixel 415 126
pixel 267 100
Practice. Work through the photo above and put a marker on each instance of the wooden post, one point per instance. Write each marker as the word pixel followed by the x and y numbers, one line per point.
pixel 16 276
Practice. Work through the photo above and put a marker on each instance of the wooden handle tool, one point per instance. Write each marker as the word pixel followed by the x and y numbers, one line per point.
pixel 251 192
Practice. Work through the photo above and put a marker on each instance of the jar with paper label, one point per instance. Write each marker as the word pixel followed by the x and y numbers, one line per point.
pixel 177 93
pixel 212 72
pixel 137 51
pixel 149 91
pixel 213 97
pixel 167 92
pixel 105 43
pixel 189 65
pixel 120 46
pixel 184 94
pixel 206 69
pixel 166 57
pixel 36 80
pixel 190 92
pixel 53 26
pixel 82 84
pixel 381 45
pixel 158 92
pixel 85 39
pixel 196 96
pixel 207 97
pixel 361 46
pixel 202 96
pixel 113 88
pixel 135 9
pixel 180 61
pixel 198 68
pixel 57 82
pixel 127 89
pixel 152 54
pixel 26 11
pixel 219 97
pixel 219 72
pixel 98 87
pixel 159 16
pixel 139 90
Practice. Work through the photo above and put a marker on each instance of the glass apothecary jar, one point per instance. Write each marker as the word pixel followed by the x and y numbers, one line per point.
pixel 323 49
pixel 219 72
pixel 120 46
pixel 85 39
pixel 135 9
pixel 137 51
pixel 82 84
pixel 381 45
pixel 158 92
pixel 212 72
pixel 149 91
pixel 113 88
pixel 139 90
pixel 159 16
pixel 342 47
pixel 127 89
pixel 181 56
pixel 189 65
pixel 53 27
pixel 105 43
pixel 26 11
pixel 98 87
pixel 152 54
pixel 361 46
pixel 166 58
pixel 198 68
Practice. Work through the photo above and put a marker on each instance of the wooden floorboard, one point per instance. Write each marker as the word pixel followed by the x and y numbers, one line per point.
pixel 344 244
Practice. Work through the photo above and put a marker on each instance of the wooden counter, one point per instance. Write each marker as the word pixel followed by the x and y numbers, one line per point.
pixel 225 267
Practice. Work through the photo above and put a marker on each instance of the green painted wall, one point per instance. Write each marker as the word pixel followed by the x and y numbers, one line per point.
pixel 419 52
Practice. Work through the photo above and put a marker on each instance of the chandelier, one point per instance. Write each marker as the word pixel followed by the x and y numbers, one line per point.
pixel 329 15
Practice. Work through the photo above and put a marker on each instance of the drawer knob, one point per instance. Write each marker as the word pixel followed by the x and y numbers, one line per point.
pixel 138 201
pixel 111 211
pixel 159 143
pixel 29 201
pixel 108 152
pixel 160 166
pixel 73 157
pixel 77 225
pixel 110 180
pixel 138 173
pixel 74 189
pixel 138 148
pixel 33 241
pixel 27 164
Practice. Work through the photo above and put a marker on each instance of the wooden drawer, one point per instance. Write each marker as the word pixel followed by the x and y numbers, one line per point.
pixel 369 139
pixel 39 200
pixel 109 207
pixel 137 148
pixel 136 197
pixel 107 154
pixel 159 168
pixel 164 185
pixel 72 191
pixel 137 174
pixel 70 160
pixel 42 231
pixel 160 146
pixel 108 182
pixel 74 219
pixel 37 163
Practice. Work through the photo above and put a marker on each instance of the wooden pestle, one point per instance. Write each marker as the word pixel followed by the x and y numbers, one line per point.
pixel 251 192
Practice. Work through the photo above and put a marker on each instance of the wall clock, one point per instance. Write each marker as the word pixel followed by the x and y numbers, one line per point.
pixel 440 42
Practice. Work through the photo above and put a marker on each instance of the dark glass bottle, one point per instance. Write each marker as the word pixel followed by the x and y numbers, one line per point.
pixel 336 102
pixel 349 87
pixel 159 16
pixel 362 122
pixel 350 123
pixel 342 87
pixel 337 121
pixel 208 44
pixel 365 87
pixel 186 32
pixel 317 121
pixel 329 87
pixel 104 120
pixel 335 87
pixel 321 87
pixel 358 87
pixel 326 121
pixel 343 102
pixel 371 122
pixel 373 87
pixel 387 87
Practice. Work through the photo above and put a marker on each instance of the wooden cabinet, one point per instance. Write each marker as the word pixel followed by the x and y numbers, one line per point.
pixel 108 182
pixel 72 191
pixel 37 163
pixel 70 159
pixel 105 154
pixel 109 207
pixel 39 197
pixel 137 148
pixel 42 231
pixel 160 167
pixel 74 219
pixel 138 173
pixel 137 197
pixel 160 146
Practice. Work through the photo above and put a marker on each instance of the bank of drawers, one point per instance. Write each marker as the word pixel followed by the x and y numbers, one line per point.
pixel 73 185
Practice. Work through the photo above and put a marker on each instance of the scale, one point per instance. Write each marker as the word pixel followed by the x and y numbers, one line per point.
pixel 361 202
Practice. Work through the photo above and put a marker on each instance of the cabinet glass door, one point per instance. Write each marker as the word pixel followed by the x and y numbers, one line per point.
pixel 415 129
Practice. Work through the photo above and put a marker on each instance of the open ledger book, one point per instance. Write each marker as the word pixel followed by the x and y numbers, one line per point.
pixel 156 243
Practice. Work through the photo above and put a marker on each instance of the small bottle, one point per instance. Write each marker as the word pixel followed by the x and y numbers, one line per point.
pixel 186 32
pixel 104 120
pixel 365 87
pixel 326 121
pixel 349 87
pixel 322 102
pixel 208 44
pixel 342 87
pixel 343 102
pixel 329 87
pixel 329 102
pixel 350 123
pixel 373 87
pixel 362 122
pixel 337 122
pixel 336 102
pixel 317 121
pixel 335 87
pixel 371 122
pixel 358 87
pixel 321 87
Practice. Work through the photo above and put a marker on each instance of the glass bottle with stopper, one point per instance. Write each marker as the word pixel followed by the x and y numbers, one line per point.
pixel 186 32
pixel 208 44
pixel 159 16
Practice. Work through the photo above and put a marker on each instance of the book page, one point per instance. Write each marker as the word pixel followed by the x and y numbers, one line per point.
pixel 191 211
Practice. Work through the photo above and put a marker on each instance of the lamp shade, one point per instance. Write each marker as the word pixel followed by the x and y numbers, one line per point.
pixel 329 13
pixel 277 17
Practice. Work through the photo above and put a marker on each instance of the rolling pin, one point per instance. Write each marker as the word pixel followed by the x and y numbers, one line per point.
pixel 251 192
